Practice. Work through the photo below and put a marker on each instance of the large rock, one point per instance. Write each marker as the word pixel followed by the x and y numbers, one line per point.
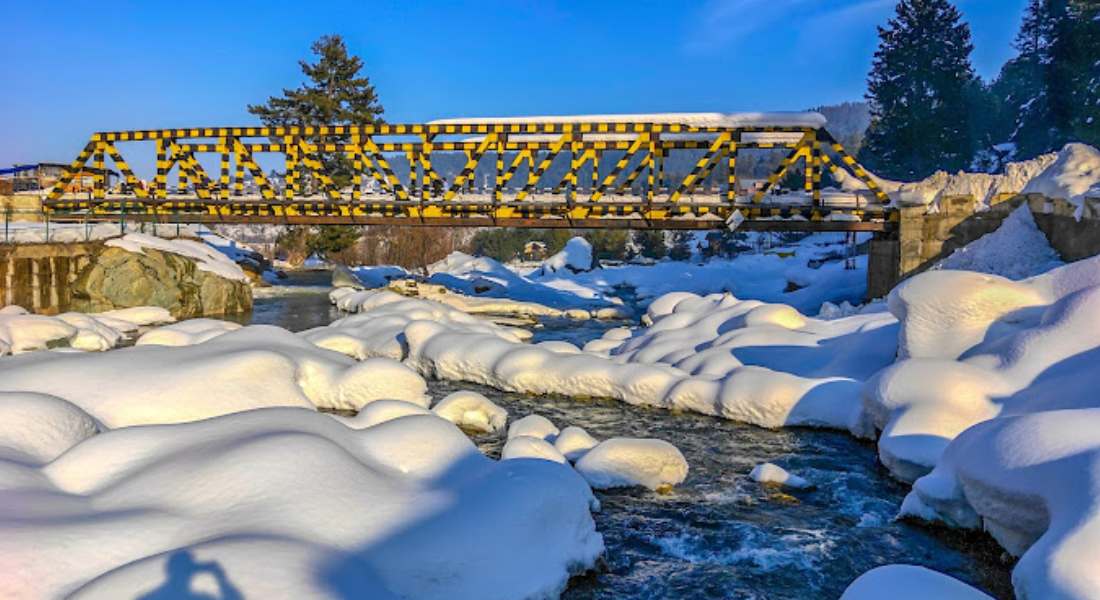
pixel 116 278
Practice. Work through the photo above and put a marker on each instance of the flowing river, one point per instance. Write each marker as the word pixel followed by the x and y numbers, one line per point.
pixel 719 534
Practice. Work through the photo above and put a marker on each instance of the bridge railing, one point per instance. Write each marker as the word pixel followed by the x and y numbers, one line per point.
pixel 572 170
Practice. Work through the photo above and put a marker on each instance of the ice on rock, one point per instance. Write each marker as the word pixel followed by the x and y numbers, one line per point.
pixel 627 462
pixel 37 428
pixel 381 411
pixel 186 333
pixel 525 446
pixel 573 442
pixel 471 410
pixel 292 502
pixel 536 426
pixel 770 473
pixel 909 582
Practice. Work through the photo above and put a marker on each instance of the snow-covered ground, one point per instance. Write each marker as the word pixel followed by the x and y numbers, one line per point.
pixel 805 274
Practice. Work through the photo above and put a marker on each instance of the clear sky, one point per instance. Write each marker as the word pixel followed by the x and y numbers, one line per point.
pixel 71 68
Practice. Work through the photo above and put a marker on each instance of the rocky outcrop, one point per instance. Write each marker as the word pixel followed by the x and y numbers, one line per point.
pixel 117 278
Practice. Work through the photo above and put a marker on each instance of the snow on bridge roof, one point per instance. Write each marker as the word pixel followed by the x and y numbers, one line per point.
pixel 745 119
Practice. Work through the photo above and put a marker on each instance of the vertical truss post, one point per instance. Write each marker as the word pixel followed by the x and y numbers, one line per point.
pixel 290 152
pixel 498 181
pixel 238 168
pixel 410 155
pixel 160 181
pixel 595 179
pixel 426 170
pixel 356 170
pixel 731 163
pixel 808 165
pixel 660 158
pixel 99 174
pixel 223 175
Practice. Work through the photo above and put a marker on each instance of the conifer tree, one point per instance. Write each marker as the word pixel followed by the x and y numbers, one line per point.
pixel 921 89
pixel 335 93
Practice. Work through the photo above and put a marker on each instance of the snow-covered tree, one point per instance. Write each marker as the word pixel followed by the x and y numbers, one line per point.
pixel 922 89
pixel 1050 92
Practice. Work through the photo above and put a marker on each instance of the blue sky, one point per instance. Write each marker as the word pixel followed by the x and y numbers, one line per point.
pixel 79 67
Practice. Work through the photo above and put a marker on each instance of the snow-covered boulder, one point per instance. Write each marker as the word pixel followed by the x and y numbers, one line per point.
pixel 573 442
pixel 292 503
pixel 575 257
pixel 536 426
pixel 471 410
pixel 186 333
pixel 381 411
pixel 525 446
pixel 627 462
pixel 774 474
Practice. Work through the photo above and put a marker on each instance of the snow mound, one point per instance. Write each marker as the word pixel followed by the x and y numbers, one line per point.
pixel 23 332
pixel 291 503
pixel 471 410
pixel 770 473
pixel 207 258
pixel 525 446
pixel 575 257
pixel 1073 176
pixel 573 442
pixel 1016 250
pixel 251 367
pixel 627 462
pixel 909 582
pixel 186 333
pixel 37 428
pixel 380 411
pixel 536 426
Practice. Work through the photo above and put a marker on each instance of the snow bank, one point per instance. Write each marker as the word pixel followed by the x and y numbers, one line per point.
pixel 770 473
pixel 381 411
pixel 471 410
pixel 575 257
pixel 1073 176
pixel 251 367
pixel 37 428
pixel 483 277
pixel 1016 250
pixel 186 333
pixel 291 503
pixel 625 462
pixel 1031 481
pixel 996 396
pixel 207 258
pixel 909 582
pixel 23 332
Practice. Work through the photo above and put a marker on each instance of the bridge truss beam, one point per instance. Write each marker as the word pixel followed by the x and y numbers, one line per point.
pixel 525 191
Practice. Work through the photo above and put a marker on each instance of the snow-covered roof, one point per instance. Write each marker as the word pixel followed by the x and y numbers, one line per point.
pixel 712 119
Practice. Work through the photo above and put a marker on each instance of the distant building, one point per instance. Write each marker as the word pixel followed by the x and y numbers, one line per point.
pixel 534 250
pixel 43 176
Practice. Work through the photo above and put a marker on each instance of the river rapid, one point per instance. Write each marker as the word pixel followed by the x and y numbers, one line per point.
pixel 719 534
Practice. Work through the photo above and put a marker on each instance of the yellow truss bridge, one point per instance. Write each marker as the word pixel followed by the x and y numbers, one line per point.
pixel 576 172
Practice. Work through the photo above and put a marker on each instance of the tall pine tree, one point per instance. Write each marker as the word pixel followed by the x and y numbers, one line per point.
pixel 335 94
pixel 922 89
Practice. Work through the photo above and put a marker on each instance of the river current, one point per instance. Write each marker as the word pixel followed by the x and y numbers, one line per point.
pixel 719 534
